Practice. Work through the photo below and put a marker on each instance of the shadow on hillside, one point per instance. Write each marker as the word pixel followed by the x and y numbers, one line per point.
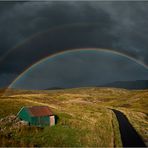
pixel 56 119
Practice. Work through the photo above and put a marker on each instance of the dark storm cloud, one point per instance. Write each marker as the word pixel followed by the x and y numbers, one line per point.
pixel 120 25
pixel 25 19
pixel 127 20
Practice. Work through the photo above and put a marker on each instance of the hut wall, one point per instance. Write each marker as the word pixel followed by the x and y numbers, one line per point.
pixel 52 120
pixel 24 115
pixel 40 121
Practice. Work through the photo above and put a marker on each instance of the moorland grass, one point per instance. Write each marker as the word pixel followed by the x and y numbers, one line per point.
pixel 84 116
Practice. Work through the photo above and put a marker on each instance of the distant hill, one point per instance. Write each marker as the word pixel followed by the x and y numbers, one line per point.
pixel 54 88
pixel 139 84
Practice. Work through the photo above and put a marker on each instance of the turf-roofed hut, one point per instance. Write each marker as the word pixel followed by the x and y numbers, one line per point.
pixel 37 115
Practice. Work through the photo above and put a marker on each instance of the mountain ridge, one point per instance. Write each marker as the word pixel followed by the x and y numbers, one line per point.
pixel 137 84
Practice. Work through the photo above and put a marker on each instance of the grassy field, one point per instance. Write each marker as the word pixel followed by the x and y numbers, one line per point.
pixel 85 118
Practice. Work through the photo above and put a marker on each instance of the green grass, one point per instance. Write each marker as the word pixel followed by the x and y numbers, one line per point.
pixel 53 136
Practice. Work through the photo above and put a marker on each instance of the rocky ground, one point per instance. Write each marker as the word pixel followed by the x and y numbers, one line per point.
pixel 11 122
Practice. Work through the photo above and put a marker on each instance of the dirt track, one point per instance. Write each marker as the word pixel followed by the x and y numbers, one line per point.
pixel 129 136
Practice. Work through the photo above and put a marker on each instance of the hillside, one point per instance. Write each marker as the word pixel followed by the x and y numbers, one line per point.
pixel 84 115
pixel 139 84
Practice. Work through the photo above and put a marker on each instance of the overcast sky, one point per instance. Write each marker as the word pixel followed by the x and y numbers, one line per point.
pixel 30 31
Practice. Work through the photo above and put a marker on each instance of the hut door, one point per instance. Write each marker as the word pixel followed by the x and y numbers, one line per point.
pixel 52 120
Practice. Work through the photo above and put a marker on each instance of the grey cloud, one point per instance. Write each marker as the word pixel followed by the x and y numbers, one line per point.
pixel 126 21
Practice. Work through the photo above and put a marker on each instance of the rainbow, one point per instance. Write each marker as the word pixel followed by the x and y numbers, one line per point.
pixel 70 51
pixel 56 28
